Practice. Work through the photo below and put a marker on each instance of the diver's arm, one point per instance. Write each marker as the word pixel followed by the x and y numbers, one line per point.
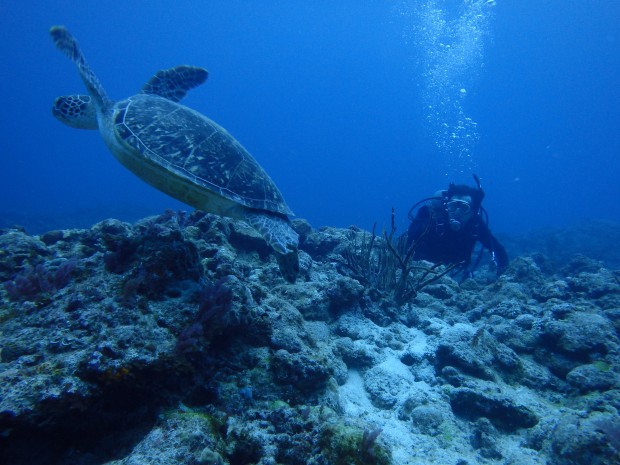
pixel 498 252
pixel 500 257
pixel 418 226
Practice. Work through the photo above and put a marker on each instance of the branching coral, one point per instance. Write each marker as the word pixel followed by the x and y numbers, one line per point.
pixel 385 264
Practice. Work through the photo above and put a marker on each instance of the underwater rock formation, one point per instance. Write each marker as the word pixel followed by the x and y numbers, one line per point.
pixel 175 340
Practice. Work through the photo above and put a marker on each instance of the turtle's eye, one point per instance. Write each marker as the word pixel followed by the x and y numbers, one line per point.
pixel 60 107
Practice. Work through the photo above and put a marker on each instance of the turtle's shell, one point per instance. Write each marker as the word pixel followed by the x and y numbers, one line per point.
pixel 190 146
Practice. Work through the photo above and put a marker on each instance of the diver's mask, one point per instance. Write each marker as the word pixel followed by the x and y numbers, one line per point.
pixel 459 211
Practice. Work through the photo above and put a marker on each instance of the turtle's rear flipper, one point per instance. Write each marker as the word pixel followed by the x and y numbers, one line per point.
pixel 279 234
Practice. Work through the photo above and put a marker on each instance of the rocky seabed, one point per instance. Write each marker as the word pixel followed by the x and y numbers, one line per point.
pixel 176 341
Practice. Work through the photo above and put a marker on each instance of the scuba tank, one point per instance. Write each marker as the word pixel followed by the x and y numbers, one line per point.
pixel 436 206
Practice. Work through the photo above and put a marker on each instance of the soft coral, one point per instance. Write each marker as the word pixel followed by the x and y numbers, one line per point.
pixel 34 281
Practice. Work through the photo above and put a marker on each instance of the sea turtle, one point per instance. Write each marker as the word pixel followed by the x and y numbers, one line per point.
pixel 180 151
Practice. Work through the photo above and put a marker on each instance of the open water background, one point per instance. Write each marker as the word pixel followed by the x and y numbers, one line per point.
pixel 352 107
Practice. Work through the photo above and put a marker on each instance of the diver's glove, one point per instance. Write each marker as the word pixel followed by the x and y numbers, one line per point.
pixel 499 270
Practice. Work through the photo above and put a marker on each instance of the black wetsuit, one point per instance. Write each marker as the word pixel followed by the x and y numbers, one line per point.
pixel 440 244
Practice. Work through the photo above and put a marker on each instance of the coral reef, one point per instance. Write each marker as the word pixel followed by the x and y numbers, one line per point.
pixel 385 265
pixel 175 340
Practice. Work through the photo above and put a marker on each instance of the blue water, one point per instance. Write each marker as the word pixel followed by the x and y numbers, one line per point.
pixel 352 107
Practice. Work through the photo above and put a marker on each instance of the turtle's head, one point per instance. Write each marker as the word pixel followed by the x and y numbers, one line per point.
pixel 77 111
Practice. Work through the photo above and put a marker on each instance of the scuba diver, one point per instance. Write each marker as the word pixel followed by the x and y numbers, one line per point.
pixel 447 227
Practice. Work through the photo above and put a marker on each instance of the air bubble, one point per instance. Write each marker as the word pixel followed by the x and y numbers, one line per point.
pixel 449 45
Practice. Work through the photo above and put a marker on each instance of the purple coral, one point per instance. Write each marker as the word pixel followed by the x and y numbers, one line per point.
pixel 33 282
pixel 215 300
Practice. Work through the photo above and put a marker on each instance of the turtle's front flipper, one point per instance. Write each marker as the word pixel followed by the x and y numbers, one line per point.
pixel 174 83
pixel 67 44
pixel 279 234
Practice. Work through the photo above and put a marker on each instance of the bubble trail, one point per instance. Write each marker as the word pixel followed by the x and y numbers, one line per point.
pixel 448 40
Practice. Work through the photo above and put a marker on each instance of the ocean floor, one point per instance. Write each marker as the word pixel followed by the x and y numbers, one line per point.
pixel 175 340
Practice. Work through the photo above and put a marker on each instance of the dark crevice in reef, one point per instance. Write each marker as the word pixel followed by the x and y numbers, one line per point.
pixel 102 427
